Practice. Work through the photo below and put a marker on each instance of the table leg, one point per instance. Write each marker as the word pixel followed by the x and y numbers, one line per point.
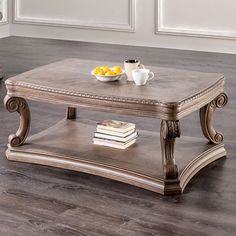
pixel 71 113
pixel 170 130
pixel 20 105
pixel 206 114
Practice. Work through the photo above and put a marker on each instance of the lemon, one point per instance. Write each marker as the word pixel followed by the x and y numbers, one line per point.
pixel 116 67
pixel 117 70
pixel 105 68
pixel 99 71
pixel 96 70
pixel 110 73
pixel 107 71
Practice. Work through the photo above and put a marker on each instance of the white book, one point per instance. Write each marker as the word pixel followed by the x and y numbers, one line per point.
pixel 114 133
pixel 113 144
pixel 116 125
pixel 117 138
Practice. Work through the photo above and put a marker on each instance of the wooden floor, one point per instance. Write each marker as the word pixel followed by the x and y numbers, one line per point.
pixel 37 200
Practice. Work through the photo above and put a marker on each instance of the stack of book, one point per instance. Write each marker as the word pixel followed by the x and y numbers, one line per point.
pixel 114 133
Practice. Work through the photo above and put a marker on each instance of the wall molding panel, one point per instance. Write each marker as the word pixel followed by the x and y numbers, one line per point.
pixel 129 26
pixel 4 10
pixel 191 31
pixel 201 25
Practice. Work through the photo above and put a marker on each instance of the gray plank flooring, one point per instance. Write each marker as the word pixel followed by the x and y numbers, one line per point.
pixel 38 200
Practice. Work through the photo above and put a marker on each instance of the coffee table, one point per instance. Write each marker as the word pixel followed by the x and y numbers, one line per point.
pixel 154 162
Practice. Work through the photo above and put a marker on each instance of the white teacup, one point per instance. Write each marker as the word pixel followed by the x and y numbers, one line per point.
pixel 131 65
pixel 141 76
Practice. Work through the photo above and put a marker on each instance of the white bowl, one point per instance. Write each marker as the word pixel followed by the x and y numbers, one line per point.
pixel 110 78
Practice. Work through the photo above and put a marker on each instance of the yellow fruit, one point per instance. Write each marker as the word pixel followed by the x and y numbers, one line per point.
pixel 105 68
pixel 110 73
pixel 96 70
pixel 117 67
pixel 117 70
pixel 99 71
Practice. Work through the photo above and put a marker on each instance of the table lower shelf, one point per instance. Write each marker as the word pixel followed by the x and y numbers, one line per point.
pixel 68 145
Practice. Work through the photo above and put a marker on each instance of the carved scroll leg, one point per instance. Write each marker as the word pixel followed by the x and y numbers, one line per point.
pixel 206 114
pixel 71 113
pixel 14 104
pixel 170 130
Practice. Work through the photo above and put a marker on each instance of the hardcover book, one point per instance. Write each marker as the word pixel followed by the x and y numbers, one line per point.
pixel 115 125
pixel 113 144
pixel 116 138
pixel 114 133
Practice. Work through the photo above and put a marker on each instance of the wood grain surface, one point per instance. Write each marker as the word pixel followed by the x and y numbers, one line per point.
pixel 68 145
pixel 171 95
pixel 74 76
pixel 36 200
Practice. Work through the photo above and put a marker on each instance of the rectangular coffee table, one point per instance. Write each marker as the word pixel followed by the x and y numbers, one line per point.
pixel 153 163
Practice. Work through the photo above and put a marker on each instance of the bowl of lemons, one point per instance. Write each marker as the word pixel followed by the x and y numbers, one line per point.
pixel 108 74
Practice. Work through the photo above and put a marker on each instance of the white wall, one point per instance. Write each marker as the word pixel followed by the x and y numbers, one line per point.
pixel 4 26
pixel 206 25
